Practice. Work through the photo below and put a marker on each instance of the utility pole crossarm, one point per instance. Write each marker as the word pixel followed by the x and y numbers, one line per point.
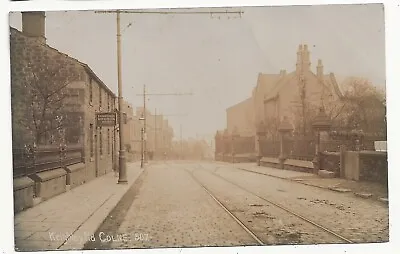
pixel 166 94
pixel 171 12
pixel 174 115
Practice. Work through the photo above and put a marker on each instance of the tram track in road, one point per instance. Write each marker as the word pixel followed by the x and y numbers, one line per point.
pixel 241 224
pixel 226 209
pixel 314 224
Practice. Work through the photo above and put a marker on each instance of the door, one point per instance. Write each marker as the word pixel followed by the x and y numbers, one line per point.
pixel 96 153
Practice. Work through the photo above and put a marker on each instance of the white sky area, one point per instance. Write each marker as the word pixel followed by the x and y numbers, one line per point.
pixel 217 57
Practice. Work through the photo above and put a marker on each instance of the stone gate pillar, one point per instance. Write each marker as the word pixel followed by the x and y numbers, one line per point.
pixel 320 123
pixel 284 128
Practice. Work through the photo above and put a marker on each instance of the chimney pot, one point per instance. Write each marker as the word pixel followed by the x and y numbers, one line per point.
pixel 320 69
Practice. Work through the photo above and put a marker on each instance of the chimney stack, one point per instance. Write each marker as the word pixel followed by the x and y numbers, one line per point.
pixel 320 69
pixel 34 25
pixel 306 58
pixel 303 60
pixel 299 59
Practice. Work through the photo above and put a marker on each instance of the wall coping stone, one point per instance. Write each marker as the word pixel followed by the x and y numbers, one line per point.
pixel 373 153
pixel 299 163
pixel 245 155
pixel 270 159
pixel 331 153
pixel 75 167
pixel 22 183
pixel 49 175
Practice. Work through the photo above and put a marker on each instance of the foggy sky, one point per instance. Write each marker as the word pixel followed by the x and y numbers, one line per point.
pixel 217 57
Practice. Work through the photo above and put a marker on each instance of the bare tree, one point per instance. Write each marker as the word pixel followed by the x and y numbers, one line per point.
pixel 271 127
pixel 365 108
pixel 39 95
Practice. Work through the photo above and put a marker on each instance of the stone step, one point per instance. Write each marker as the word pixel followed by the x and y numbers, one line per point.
pixel 363 195
pixel 384 200
pixel 343 190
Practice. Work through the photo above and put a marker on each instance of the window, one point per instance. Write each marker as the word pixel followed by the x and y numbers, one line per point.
pixel 125 118
pixel 90 90
pixel 100 97
pixel 108 102
pixel 108 141
pixel 101 141
pixel 91 134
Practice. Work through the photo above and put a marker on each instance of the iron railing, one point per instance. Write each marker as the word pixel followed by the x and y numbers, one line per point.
pixel 32 160
pixel 299 148
pixel 269 148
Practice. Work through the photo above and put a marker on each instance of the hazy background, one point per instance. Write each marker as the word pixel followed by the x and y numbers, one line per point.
pixel 217 57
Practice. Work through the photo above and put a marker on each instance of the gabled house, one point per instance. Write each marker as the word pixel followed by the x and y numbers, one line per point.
pixel 294 95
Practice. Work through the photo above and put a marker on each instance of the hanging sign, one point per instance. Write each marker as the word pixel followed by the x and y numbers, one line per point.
pixel 106 119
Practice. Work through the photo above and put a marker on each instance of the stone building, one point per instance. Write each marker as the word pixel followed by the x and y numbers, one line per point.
pixel 137 136
pixel 159 134
pixel 129 131
pixel 293 95
pixel 86 95
pixel 241 116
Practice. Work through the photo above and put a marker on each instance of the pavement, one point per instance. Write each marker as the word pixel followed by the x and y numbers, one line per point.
pixel 369 190
pixel 67 221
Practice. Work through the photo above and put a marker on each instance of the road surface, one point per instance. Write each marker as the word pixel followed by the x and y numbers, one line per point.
pixel 194 204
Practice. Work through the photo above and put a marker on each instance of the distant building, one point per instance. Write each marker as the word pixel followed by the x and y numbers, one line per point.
pixel 159 134
pixel 129 131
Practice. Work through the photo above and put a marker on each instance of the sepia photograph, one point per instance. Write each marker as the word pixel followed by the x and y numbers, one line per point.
pixel 199 127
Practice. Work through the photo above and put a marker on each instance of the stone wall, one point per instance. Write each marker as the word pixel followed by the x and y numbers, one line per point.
pixel 330 161
pixel 374 166
pixel 298 165
pixel 270 162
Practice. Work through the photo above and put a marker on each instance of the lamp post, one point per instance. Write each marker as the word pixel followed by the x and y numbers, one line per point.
pixel 284 127
pixel 321 123
pixel 122 160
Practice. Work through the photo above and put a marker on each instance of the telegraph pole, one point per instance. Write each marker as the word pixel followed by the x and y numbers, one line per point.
pixel 144 124
pixel 122 179
pixel 122 160
pixel 142 147
pixel 155 133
